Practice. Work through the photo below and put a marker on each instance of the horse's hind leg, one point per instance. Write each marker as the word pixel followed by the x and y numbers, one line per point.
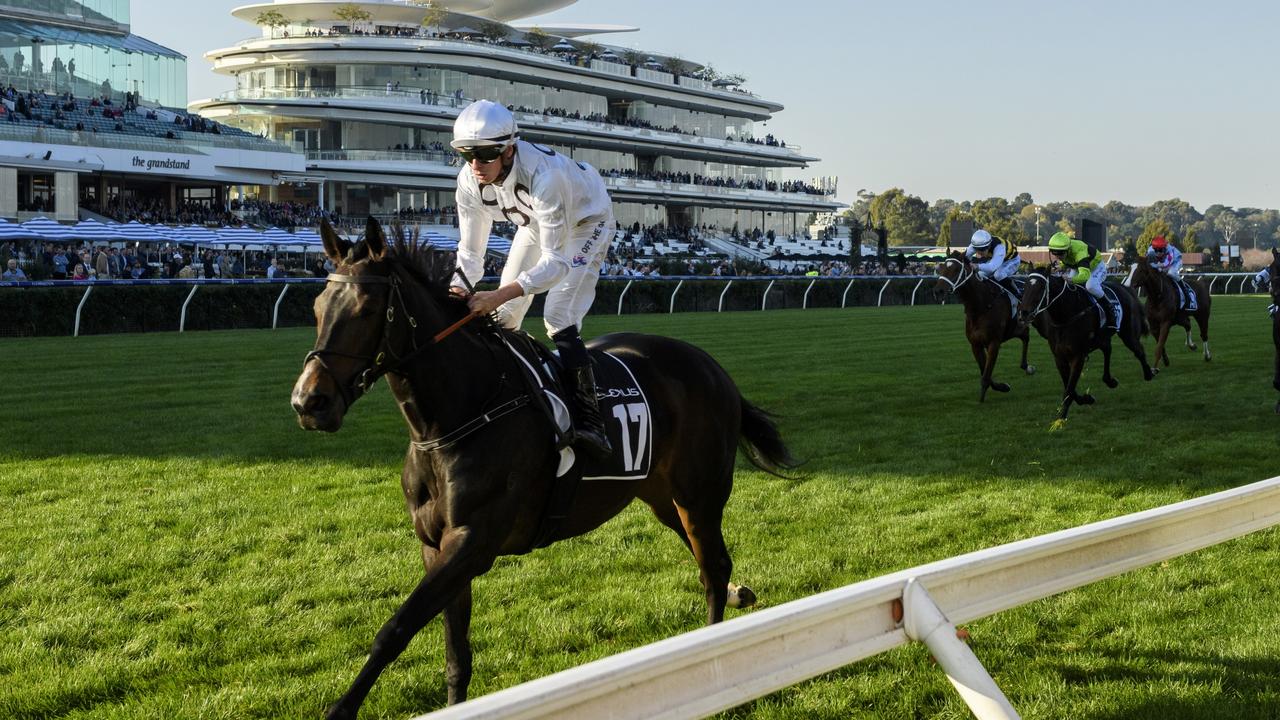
pixel 1202 321
pixel 1133 340
pixel 1107 377
pixel 1025 337
pixel 736 596
pixel 1162 335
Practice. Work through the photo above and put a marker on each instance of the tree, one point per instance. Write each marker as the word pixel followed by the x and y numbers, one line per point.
pixel 590 49
pixel 352 13
pixel 633 57
pixel 270 19
pixel 996 216
pixel 494 31
pixel 675 66
pixel 1179 214
pixel 434 15
pixel 905 217
pixel 1227 224
pixel 539 38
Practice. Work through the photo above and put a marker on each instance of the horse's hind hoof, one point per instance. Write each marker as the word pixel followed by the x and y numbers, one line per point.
pixel 1000 387
pixel 1086 399
pixel 1031 369
pixel 740 596
pixel 1111 382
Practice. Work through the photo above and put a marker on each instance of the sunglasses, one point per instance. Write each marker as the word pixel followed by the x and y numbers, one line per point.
pixel 484 153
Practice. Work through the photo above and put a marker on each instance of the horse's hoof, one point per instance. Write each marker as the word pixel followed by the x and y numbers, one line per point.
pixel 740 596
pixel 339 713
pixel 1000 387
pixel 1058 425
pixel 1111 382
pixel 1086 399
pixel 1031 369
pixel 1278 407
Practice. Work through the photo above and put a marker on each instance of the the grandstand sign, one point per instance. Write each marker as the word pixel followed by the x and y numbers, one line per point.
pixel 168 163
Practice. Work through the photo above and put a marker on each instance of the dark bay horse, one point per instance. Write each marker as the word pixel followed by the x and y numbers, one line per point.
pixel 988 318
pixel 481 463
pixel 1164 308
pixel 1066 316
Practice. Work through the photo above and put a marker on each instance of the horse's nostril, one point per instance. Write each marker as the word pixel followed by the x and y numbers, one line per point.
pixel 312 404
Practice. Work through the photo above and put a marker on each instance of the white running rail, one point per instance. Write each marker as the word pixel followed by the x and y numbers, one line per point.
pixel 722 666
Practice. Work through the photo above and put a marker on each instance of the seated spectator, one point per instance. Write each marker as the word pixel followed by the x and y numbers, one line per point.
pixel 13 272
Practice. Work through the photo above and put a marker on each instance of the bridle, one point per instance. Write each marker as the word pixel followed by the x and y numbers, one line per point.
pixel 376 365
pixel 1045 300
pixel 966 274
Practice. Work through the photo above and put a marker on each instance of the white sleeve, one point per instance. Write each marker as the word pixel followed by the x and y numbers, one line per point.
pixel 474 224
pixel 997 259
pixel 549 191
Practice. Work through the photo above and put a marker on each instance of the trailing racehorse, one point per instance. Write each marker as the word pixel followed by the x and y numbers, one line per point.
pixel 1068 318
pixel 1164 307
pixel 989 318
pixel 480 474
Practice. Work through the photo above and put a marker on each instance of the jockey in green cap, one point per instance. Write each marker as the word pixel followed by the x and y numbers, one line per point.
pixel 1085 265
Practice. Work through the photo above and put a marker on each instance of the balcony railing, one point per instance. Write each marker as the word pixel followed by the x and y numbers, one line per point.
pixel 533 119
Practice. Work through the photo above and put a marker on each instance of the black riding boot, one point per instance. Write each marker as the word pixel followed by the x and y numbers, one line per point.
pixel 580 382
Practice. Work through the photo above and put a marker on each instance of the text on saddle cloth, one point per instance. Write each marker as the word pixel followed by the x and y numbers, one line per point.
pixel 1118 310
pixel 623 405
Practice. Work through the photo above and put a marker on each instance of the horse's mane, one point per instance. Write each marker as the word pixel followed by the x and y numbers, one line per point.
pixel 431 268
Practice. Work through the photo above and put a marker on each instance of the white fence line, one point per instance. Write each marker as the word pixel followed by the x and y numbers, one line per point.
pixel 722 666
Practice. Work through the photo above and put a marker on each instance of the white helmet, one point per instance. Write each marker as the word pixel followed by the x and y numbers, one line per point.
pixel 484 123
pixel 980 239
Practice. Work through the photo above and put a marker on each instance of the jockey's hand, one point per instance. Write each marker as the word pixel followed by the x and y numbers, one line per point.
pixel 485 302
pixel 459 292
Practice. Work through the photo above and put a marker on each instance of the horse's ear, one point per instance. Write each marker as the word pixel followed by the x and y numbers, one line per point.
pixel 375 239
pixel 335 248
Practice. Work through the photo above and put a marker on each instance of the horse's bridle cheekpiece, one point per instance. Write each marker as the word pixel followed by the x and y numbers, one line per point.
pixel 362 381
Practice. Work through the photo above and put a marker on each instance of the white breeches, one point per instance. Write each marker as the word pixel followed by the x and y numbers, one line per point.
pixel 570 299
pixel 1094 283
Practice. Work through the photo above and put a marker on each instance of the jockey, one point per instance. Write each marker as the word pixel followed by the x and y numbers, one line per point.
pixel 997 257
pixel 1262 278
pixel 1084 264
pixel 566 225
pixel 1165 257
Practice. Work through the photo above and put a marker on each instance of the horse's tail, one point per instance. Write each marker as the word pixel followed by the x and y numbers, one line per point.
pixel 762 443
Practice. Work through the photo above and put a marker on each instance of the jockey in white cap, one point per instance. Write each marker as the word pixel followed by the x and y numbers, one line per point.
pixel 565 221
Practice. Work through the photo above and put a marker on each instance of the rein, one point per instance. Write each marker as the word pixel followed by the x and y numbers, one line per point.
pixel 377 366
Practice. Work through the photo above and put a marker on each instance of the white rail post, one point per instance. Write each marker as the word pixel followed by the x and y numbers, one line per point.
pixel 623 295
pixel 923 621
pixel 913 292
pixel 764 302
pixel 720 307
pixel 880 297
pixel 805 304
pixel 845 297
pixel 1212 279
pixel 76 332
pixel 672 309
pixel 275 312
pixel 182 322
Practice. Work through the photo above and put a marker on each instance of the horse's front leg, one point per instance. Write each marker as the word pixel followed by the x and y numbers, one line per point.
pixel 463 555
pixel 1162 335
pixel 980 355
pixel 993 352
pixel 457 635
pixel 1025 337
pixel 1107 377
pixel 1068 388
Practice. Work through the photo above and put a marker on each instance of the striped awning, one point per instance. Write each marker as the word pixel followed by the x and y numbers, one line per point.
pixel 137 232
pixel 49 230
pixel 93 230
pixel 14 231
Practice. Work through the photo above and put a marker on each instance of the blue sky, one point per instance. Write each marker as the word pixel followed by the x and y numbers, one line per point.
pixel 1082 101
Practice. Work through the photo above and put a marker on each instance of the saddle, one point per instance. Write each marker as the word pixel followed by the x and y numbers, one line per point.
pixel 1012 288
pixel 1187 300
pixel 620 398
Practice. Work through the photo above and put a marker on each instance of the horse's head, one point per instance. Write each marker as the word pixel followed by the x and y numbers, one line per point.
pixel 1035 295
pixel 952 273
pixel 364 326
pixel 1275 276
pixel 1144 273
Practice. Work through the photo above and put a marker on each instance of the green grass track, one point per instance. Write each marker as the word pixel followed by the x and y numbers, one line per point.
pixel 173 546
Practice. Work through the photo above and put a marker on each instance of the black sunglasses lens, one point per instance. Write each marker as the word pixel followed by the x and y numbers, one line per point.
pixel 486 154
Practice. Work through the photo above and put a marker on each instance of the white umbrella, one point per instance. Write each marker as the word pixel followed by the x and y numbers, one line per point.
pixel 93 230
pixel 563 45
pixel 14 231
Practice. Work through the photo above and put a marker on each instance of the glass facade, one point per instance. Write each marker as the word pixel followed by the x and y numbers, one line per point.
pixel 93 11
pixel 87 61
pixel 690 121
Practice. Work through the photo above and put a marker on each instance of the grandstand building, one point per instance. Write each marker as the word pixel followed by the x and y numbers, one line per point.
pixel 94 117
pixel 370 98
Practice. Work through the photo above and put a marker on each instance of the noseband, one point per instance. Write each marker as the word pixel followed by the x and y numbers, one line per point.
pixel 375 365
pixel 966 273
